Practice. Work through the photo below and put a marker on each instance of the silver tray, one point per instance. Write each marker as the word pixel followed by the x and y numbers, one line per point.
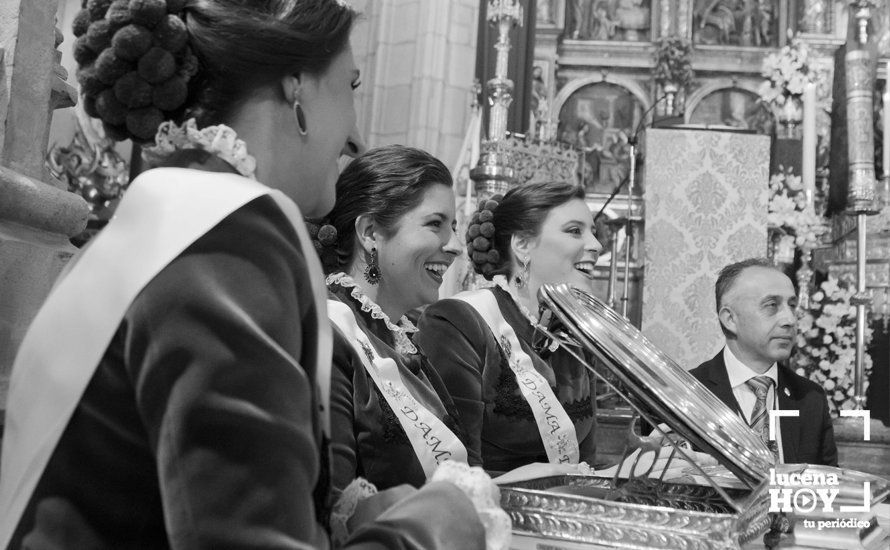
pixel 656 384
pixel 584 509
pixel 729 511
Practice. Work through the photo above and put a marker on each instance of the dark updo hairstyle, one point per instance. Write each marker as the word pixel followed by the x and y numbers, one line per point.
pixel 384 183
pixel 520 212
pixel 141 62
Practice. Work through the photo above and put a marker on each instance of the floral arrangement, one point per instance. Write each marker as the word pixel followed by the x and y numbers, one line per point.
pixel 673 61
pixel 826 343
pixel 786 73
pixel 788 210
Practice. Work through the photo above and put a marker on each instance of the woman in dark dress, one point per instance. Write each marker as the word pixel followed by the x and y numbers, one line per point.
pixel 483 342
pixel 173 390
pixel 385 246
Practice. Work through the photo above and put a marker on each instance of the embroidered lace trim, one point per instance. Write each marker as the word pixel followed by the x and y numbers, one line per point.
pixel 486 498
pixel 358 490
pixel 400 331
pixel 219 140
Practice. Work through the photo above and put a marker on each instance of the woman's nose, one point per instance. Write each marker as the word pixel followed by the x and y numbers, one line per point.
pixel 355 145
pixel 593 244
pixel 453 244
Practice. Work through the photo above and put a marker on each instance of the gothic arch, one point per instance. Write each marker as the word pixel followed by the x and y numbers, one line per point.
pixel 600 78
pixel 716 85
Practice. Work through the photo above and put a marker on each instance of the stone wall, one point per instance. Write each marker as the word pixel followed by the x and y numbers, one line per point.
pixel 417 60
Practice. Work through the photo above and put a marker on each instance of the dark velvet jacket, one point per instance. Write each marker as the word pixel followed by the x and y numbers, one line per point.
pixel 807 438
pixel 498 420
pixel 368 439
pixel 199 427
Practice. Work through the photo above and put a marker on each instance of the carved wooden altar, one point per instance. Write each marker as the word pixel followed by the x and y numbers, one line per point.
pixel 596 87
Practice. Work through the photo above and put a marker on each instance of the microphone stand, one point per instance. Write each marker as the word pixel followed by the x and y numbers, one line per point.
pixel 628 220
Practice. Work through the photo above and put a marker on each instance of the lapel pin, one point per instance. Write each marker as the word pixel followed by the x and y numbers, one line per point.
pixel 787 392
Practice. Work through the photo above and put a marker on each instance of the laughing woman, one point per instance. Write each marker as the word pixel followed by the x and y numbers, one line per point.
pixel 481 341
pixel 387 242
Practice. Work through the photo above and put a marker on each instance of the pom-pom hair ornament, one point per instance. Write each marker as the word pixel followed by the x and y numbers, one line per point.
pixel 81 23
pixel 133 91
pixel 324 238
pixel 99 35
pixel 148 12
pixel 110 109
pixel 143 123
pixel 110 67
pixel 172 33
pixel 97 8
pixel 131 42
pixel 480 238
pixel 83 54
pixel 157 65
pixel 134 53
pixel 118 13
pixel 169 95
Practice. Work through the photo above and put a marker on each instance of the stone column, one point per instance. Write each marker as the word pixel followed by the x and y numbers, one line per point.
pixel 36 218
pixel 417 59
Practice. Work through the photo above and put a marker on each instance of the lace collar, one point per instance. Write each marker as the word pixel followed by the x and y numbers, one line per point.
pixel 219 140
pixel 400 331
pixel 502 282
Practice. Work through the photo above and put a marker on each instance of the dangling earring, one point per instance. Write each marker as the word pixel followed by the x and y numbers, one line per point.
pixel 300 116
pixel 372 271
pixel 521 278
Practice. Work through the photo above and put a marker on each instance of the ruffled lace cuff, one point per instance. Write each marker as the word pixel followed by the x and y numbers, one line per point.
pixel 358 490
pixel 486 498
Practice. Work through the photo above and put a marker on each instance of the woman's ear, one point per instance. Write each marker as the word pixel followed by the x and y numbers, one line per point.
pixel 521 246
pixel 365 232
pixel 290 87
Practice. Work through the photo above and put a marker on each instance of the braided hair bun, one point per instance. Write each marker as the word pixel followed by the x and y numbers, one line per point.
pixel 134 64
pixel 480 238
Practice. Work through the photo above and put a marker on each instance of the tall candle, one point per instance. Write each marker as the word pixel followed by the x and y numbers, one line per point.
pixel 885 157
pixel 808 165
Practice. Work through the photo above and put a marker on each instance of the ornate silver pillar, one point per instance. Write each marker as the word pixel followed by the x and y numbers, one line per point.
pixel 862 198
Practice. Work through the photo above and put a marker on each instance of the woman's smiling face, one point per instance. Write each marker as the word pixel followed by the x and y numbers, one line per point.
pixel 566 249
pixel 414 258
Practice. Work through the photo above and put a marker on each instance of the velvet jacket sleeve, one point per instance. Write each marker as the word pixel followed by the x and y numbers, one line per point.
pixel 458 344
pixel 220 347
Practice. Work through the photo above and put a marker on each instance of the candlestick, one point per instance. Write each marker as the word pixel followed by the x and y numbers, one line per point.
pixel 808 164
pixel 885 157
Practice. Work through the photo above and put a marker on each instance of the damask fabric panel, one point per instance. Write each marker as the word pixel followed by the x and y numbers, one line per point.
pixel 706 207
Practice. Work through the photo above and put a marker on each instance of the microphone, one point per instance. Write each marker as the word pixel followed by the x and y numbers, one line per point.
pixel 632 141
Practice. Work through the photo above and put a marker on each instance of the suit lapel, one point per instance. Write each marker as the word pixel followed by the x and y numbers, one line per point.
pixel 719 383
pixel 789 427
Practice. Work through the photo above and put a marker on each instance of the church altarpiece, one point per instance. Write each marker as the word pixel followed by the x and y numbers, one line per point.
pixel 593 88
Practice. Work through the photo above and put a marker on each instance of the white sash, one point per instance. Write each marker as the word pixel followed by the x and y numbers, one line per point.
pixel 556 428
pixel 431 439
pixel 163 213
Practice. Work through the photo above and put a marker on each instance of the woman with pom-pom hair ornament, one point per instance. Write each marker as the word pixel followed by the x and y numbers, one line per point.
pixel 385 246
pixel 526 404
pixel 481 341
pixel 173 391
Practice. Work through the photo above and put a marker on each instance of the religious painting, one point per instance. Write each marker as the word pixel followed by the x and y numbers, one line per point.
pixel 734 108
pixel 623 20
pixel 736 23
pixel 598 120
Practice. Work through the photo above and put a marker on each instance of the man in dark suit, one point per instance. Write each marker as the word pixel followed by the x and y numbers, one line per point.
pixel 756 307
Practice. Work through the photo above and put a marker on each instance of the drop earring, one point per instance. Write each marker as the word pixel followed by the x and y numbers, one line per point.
pixel 521 278
pixel 372 270
pixel 300 116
